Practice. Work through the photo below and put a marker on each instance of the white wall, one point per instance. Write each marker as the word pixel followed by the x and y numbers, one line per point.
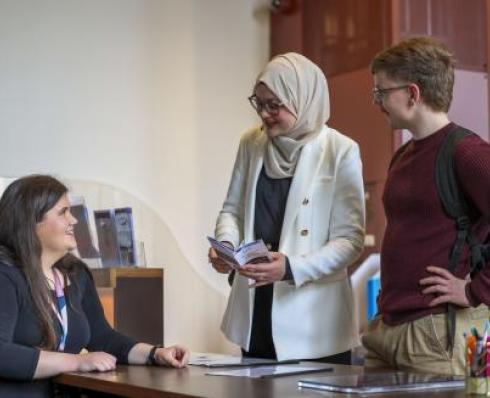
pixel 148 96
pixel 470 102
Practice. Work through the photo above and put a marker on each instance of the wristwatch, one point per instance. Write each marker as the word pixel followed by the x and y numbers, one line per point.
pixel 151 360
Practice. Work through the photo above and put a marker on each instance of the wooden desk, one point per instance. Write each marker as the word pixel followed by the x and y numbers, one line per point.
pixel 154 382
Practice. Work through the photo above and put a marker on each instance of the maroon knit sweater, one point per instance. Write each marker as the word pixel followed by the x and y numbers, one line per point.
pixel 419 233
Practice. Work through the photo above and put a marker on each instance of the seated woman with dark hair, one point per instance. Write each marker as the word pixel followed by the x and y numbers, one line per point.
pixel 49 308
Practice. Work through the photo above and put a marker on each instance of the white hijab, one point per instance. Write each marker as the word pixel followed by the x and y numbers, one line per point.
pixel 302 87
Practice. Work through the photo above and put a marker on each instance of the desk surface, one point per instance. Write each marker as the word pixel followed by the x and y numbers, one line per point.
pixel 154 382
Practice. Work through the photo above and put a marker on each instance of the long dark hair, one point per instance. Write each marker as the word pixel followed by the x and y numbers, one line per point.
pixel 24 204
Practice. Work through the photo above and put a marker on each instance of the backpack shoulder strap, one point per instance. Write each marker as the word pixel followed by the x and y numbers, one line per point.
pixel 455 207
pixel 447 184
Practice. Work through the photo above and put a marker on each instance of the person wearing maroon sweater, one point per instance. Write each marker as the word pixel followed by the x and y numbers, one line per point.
pixel 413 88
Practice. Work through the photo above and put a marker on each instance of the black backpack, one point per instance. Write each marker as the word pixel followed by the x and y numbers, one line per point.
pixel 456 207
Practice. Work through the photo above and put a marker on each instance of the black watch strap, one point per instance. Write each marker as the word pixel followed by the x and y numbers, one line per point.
pixel 151 356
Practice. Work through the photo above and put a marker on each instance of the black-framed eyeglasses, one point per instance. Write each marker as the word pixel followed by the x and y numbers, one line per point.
pixel 271 106
pixel 379 93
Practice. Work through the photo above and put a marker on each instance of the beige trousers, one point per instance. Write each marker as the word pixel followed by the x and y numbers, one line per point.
pixel 420 345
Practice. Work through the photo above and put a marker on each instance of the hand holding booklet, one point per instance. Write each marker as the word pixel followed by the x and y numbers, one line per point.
pixel 249 253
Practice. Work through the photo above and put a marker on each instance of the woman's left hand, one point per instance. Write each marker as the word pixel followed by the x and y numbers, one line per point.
pixel 446 286
pixel 176 356
pixel 266 273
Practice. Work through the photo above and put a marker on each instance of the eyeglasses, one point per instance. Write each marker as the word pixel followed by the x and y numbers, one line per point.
pixel 379 93
pixel 271 106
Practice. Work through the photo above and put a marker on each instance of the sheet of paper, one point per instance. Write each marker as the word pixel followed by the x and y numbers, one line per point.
pixel 207 359
pixel 221 361
pixel 270 371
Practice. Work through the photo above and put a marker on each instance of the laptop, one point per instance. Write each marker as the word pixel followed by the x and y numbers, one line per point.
pixel 366 383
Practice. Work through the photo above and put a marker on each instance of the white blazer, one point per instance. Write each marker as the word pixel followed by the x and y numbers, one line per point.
pixel 322 234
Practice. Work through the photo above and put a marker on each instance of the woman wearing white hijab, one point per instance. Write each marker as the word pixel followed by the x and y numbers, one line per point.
pixel 296 184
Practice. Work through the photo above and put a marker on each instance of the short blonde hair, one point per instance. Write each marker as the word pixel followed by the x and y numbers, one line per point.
pixel 424 61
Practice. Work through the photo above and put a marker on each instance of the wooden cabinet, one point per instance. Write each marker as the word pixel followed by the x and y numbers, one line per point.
pixel 132 299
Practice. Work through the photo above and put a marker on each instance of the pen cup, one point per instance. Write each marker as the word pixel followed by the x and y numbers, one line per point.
pixel 477 380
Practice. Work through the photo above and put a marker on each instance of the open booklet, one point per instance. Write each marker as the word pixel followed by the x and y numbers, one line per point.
pixel 250 253
pixel 368 383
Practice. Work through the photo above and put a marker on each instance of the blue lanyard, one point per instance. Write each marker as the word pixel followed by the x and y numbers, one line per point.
pixel 60 310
